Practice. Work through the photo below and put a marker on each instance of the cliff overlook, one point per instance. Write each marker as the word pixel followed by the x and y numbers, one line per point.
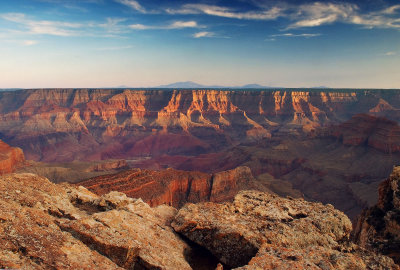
pixel 46 226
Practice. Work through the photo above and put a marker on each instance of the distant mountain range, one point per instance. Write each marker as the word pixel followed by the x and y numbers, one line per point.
pixel 190 84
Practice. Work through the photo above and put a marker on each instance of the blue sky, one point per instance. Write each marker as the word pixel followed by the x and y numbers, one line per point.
pixel 145 43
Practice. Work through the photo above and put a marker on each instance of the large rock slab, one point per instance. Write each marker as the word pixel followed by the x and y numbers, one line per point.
pixel 47 226
pixel 271 232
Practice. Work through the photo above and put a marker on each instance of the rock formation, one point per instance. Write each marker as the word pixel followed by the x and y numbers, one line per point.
pixel 60 226
pixel 173 187
pixel 91 124
pixel 73 171
pixel 376 132
pixel 49 226
pixel 10 158
pixel 378 228
pixel 274 133
pixel 269 232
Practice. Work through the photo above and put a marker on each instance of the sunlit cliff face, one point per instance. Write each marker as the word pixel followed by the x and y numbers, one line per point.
pixel 67 124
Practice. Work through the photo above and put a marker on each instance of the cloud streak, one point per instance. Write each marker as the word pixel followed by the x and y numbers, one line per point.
pixel 304 15
pixel 213 10
pixel 132 4
pixel 43 27
pixel 204 34
pixel 173 25
pixel 305 35
pixel 318 13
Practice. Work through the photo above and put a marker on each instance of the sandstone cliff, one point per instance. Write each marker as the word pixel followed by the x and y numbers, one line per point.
pixel 90 124
pixel 173 187
pixel 376 132
pixel 378 228
pixel 49 226
pixel 10 158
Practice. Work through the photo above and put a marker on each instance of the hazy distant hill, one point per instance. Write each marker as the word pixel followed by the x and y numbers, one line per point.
pixel 190 84
pixel 187 84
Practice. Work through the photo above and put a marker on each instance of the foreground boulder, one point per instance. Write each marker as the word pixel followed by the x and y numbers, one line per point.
pixel 269 232
pixel 48 226
pixel 378 228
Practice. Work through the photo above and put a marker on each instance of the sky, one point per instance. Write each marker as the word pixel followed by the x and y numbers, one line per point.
pixel 146 43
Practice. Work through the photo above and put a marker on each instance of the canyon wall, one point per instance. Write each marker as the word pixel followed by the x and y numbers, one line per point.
pixel 10 158
pixel 173 187
pixel 91 124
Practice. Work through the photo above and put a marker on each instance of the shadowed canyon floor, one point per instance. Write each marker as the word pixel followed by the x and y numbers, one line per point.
pixel 60 226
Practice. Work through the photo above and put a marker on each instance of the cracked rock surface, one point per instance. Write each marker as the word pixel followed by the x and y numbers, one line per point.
pixel 269 232
pixel 47 226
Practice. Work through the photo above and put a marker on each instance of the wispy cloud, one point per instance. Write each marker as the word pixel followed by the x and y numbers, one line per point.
pixel 213 10
pixel 311 14
pixel 392 10
pixel 203 34
pixel 29 42
pixel 132 4
pixel 316 14
pixel 305 35
pixel 112 25
pixel 390 53
pixel 44 27
pixel 173 25
pixel 320 13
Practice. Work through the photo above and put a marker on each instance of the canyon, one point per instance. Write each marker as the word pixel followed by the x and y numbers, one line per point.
pixel 54 125
pixel 333 146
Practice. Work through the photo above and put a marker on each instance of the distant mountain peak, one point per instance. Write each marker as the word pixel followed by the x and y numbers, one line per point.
pixel 187 84
pixel 190 84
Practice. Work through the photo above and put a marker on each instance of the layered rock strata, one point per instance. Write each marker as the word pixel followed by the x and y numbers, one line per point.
pixel 90 124
pixel 173 187
pixel 376 132
pixel 378 228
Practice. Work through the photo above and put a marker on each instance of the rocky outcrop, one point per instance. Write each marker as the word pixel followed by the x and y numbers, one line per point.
pixel 378 228
pixel 48 226
pixel 10 158
pixel 173 187
pixel 269 232
pixel 60 226
pixel 90 124
pixel 376 132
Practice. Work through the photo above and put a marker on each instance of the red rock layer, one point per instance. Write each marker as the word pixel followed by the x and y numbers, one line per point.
pixel 171 186
pixel 377 132
pixel 91 124
pixel 10 158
